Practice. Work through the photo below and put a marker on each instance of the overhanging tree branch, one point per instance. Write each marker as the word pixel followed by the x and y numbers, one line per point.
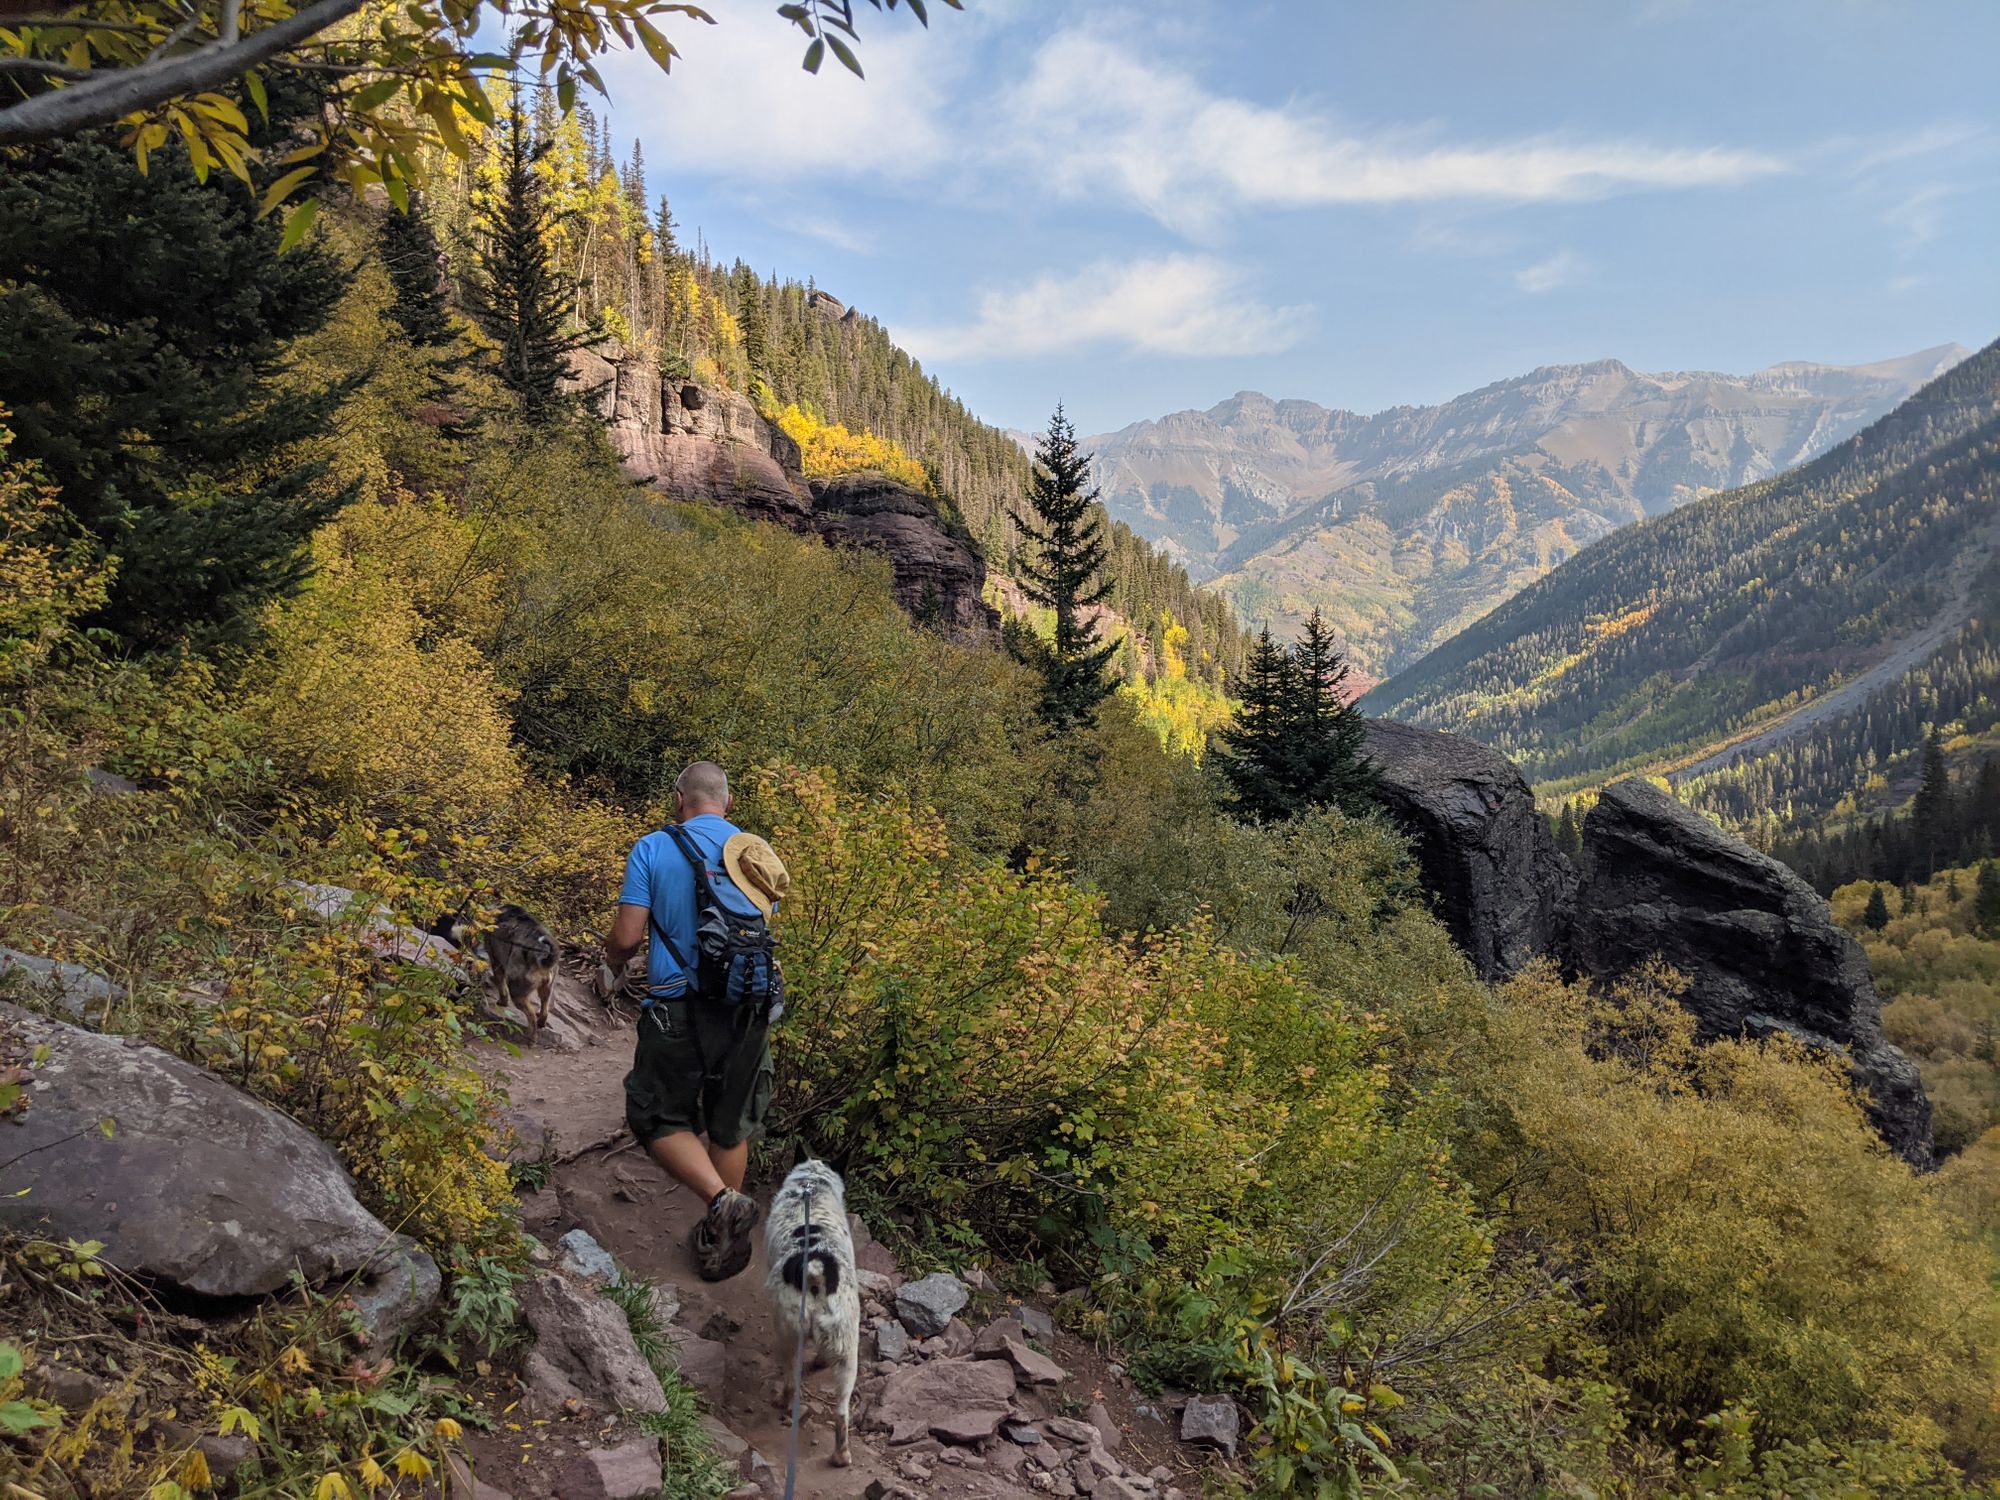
pixel 103 100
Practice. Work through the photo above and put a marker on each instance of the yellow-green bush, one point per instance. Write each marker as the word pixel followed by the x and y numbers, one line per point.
pixel 1742 1234
pixel 364 696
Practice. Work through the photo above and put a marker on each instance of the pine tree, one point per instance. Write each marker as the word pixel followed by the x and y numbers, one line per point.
pixel 415 265
pixel 1324 730
pixel 1065 572
pixel 1876 916
pixel 1986 900
pixel 1569 837
pixel 144 324
pixel 1909 898
pixel 1953 891
pixel 1930 814
pixel 520 299
pixel 1257 761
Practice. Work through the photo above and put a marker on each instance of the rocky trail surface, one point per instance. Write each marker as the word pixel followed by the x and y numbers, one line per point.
pixel 964 1391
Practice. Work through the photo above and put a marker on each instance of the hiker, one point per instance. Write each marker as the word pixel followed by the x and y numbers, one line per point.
pixel 705 890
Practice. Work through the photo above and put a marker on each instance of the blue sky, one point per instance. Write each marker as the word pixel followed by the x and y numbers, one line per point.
pixel 1137 209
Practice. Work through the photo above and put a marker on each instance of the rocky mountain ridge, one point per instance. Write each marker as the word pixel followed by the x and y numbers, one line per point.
pixel 1408 523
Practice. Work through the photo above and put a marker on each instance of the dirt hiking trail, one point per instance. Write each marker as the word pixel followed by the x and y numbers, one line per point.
pixel 1052 1415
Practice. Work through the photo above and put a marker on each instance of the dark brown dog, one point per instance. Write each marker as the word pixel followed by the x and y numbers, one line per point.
pixel 518 958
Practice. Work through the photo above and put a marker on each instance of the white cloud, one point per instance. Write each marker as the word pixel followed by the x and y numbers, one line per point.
pixel 1564 268
pixel 737 102
pixel 1183 305
pixel 1091 119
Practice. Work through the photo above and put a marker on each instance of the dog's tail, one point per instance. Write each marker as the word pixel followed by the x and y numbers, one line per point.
pixel 817 1269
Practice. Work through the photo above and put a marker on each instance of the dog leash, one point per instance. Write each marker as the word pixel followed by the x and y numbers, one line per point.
pixel 799 1357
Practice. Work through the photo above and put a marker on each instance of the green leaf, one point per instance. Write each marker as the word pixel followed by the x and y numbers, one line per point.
pixel 399 193
pixel 254 86
pixel 11 1362
pixel 375 95
pixel 814 54
pixel 566 94
pixel 660 49
pixel 846 54
pixel 297 222
pixel 17 1417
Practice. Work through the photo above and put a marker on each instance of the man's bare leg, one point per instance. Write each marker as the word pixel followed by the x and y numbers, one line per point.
pixel 692 1165
pixel 730 1162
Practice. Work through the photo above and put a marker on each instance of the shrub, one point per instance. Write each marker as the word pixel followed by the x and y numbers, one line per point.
pixel 1743 1235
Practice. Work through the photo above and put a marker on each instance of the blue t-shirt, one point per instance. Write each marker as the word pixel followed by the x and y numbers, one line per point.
pixel 659 877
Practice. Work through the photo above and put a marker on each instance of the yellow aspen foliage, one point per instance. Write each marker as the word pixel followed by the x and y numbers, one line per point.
pixel 828 448
pixel 1181 711
pixel 48 576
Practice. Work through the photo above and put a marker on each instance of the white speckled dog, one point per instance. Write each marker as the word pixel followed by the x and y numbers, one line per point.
pixel 809 1257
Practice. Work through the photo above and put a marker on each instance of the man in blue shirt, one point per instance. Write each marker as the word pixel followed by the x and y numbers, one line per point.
pixel 701 1066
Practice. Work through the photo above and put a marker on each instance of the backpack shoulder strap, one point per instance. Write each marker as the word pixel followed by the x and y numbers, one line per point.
pixel 701 895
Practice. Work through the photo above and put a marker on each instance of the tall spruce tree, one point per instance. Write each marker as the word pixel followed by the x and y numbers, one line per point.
pixel 1331 766
pixel 1875 916
pixel 1256 760
pixel 144 320
pixel 415 265
pixel 1986 900
pixel 1063 569
pixel 1931 823
pixel 1569 837
pixel 519 297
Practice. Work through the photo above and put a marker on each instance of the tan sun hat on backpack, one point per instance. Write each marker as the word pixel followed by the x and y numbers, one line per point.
pixel 757 871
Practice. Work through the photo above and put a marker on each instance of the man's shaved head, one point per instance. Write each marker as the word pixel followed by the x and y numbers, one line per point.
pixel 703 787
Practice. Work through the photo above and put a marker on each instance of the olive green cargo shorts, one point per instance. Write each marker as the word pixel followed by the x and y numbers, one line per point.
pixel 698 1067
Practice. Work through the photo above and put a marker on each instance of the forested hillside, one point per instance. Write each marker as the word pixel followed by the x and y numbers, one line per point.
pixel 792 344
pixel 1776 648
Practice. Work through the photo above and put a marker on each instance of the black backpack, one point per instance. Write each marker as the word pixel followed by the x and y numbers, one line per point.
pixel 736 957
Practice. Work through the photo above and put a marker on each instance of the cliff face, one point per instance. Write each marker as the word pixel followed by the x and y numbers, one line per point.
pixel 693 442
pixel 1758 946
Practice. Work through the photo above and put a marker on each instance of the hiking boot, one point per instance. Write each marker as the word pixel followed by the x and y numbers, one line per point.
pixel 722 1242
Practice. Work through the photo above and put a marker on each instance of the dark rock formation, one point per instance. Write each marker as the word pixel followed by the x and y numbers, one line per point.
pixel 198 1186
pixel 1759 948
pixel 695 443
pixel 940 575
pixel 1502 888
pixel 1757 944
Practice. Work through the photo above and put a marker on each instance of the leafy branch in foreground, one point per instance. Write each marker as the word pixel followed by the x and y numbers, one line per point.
pixel 397 81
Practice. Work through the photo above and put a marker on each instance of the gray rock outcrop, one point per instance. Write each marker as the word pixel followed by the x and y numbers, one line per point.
pixel 198 1186
pixel 76 989
pixel 1758 946
pixel 1500 885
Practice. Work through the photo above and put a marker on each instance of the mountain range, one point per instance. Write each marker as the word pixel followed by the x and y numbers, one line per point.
pixel 1780 649
pixel 1406 526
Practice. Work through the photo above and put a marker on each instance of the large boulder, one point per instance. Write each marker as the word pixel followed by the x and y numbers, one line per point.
pixel 1500 885
pixel 197 1186
pixel 1758 946
pixel 584 1351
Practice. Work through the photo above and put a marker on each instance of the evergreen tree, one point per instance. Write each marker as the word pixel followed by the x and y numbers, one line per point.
pixel 415 265
pixel 1569 837
pixel 1986 900
pixel 1876 917
pixel 519 298
pixel 1324 730
pixel 1065 572
pixel 1930 814
pixel 1953 891
pixel 1908 897
pixel 1256 760
pixel 144 322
